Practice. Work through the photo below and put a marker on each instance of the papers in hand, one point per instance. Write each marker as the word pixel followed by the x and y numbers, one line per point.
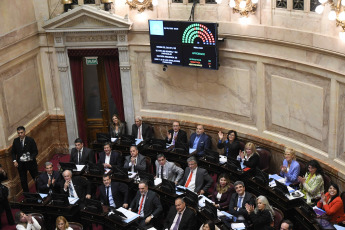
pixel 130 215
pixel 72 200
pixel 131 174
pixel 157 181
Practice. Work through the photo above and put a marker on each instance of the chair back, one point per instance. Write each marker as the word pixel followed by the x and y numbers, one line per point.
pixel 342 196
pixel 326 182
pixel 36 183
pixel 302 167
pixel 149 167
pixel 278 217
pixel 40 219
pixel 265 158
pixel 75 226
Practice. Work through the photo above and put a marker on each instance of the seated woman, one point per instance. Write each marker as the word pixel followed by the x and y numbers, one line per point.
pixel 222 194
pixel 249 156
pixel 26 222
pixel 312 183
pixel 116 128
pixel 231 145
pixel 290 168
pixel 62 224
pixel 332 204
pixel 262 216
pixel 209 225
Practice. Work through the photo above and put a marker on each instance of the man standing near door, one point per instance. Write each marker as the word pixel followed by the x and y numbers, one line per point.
pixel 81 155
pixel 24 152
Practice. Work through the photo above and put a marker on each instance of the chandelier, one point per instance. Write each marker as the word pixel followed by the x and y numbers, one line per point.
pixel 336 14
pixel 244 7
pixel 142 5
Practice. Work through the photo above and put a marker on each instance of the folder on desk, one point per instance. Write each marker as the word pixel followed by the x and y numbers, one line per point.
pixel 130 215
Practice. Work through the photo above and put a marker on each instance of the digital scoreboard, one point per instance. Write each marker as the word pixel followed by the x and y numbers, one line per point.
pixel 182 43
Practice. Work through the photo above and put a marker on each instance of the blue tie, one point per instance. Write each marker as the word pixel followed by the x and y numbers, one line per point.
pixel 71 194
pixel 239 202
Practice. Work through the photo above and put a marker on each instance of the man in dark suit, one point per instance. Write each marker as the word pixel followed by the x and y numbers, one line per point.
pixel 24 152
pixel 141 130
pixel 239 200
pixel 180 217
pixel 109 158
pixel 4 204
pixel 167 170
pixel 196 179
pixel 135 161
pixel 176 134
pixel 199 141
pixel 147 204
pixel 81 155
pixel 77 187
pixel 114 194
pixel 49 181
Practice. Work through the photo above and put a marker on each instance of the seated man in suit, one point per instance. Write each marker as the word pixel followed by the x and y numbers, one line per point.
pixel 76 187
pixel 239 200
pixel 147 204
pixel 176 134
pixel 81 155
pixel 180 217
pixel 199 141
pixel 196 179
pixel 108 158
pixel 135 161
pixel 167 170
pixel 141 130
pixel 49 181
pixel 114 194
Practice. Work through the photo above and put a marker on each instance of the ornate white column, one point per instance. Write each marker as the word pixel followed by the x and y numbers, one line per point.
pixel 126 80
pixel 66 88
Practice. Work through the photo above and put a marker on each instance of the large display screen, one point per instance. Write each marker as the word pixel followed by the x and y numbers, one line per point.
pixel 182 43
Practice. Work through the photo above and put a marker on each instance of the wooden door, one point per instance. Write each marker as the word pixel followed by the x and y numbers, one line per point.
pixel 99 105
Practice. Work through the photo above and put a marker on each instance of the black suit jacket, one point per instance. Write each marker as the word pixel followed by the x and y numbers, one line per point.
pixel 86 156
pixel 248 198
pixel 203 181
pixel 115 158
pixel 81 185
pixel 141 163
pixel 29 146
pixel 230 150
pixel 42 182
pixel 152 204
pixel 181 136
pixel 146 131
pixel 188 220
pixel 119 191
pixel 253 161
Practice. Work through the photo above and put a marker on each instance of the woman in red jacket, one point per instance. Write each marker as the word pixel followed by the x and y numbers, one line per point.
pixel 332 204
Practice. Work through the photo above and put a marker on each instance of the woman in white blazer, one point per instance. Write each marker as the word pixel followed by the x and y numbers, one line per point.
pixel 26 222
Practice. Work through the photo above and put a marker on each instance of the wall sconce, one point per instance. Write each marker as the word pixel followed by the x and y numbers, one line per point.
pixel 107 4
pixel 243 7
pixel 336 14
pixel 142 5
pixel 67 5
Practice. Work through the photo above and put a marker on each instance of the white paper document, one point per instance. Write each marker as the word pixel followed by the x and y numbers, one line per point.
pixel 79 168
pixel 129 214
pixel 113 139
pixel 223 159
pixel 202 201
pixel 72 200
pixel 138 141
pixel 191 150
pixel 158 181
pixel 238 226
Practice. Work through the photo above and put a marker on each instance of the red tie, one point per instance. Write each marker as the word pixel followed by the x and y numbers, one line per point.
pixel 139 134
pixel 189 179
pixel 141 204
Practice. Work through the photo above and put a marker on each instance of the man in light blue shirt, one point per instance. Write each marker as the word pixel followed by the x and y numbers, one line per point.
pixel 199 140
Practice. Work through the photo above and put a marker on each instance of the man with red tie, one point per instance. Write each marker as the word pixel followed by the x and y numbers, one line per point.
pixel 141 130
pixel 147 204
pixel 195 178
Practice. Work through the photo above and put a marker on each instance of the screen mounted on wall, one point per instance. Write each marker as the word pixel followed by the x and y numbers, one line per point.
pixel 184 43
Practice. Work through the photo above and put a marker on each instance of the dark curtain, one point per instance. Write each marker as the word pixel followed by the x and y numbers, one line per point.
pixel 78 87
pixel 111 64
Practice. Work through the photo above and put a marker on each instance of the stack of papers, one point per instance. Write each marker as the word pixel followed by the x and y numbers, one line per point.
pixel 202 201
pixel 138 141
pixel 72 200
pixel 130 215
pixel 238 226
pixel 191 150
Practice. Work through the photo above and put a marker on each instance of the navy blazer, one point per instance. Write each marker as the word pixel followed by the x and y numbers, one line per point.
pixel 248 198
pixel 204 143
pixel 152 204
pixel 42 182
pixel 119 191
pixel 86 156
pixel 29 146
pixel 115 158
